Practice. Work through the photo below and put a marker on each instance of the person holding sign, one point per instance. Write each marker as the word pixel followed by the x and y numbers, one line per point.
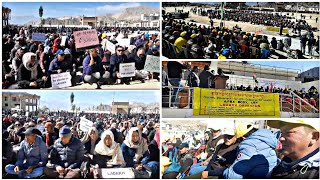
pixel 115 60
pixel 66 156
pixel 140 59
pixel 92 69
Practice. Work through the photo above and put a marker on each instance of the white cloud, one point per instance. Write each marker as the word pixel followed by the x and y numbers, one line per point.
pixel 111 9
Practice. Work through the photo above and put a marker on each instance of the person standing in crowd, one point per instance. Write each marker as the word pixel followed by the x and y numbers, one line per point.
pixel 175 75
pixel 303 43
pixel 193 81
pixel 66 156
pixel 206 77
pixel 93 69
pixel 300 148
pixel 32 157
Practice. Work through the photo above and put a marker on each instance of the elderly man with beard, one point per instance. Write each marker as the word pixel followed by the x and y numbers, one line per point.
pixel 300 147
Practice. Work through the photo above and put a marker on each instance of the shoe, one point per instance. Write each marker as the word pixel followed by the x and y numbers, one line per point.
pixel 98 85
pixel 127 82
pixel 142 80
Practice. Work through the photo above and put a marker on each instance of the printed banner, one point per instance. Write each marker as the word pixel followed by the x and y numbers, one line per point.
pixel 228 103
pixel 86 38
pixel 152 64
pixel 127 69
pixel 61 80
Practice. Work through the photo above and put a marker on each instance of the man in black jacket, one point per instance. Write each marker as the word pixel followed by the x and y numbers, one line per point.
pixel 206 77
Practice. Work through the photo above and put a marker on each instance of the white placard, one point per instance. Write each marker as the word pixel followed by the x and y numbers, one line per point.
pixel 119 37
pixel 85 124
pixel 63 40
pixel 117 173
pixel 111 47
pixel 41 37
pixel 127 69
pixel 61 80
pixel 152 64
pixel 124 42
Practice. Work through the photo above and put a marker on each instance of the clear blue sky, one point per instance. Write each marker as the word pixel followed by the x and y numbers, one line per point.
pixel 22 12
pixel 60 99
pixel 301 65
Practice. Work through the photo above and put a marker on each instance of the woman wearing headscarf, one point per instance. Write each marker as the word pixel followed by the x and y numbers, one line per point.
pixel 134 148
pixel 90 140
pixel 29 73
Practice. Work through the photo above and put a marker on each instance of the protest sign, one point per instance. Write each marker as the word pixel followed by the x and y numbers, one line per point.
pixel 86 38
pixel 61 80
pixel 124 42
pixel 117 173
pixel 152 64
pixel 63 40
pixel 228 103
pixel 127 69
pixel 111 47
pixel 41 37
pixel 119 37
pixel 85 124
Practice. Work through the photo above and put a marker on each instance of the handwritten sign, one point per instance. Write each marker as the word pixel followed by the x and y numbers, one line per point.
pixel 117 173
pixel 111 47
pixel 41 37
pixel 85 124
pixel 152 64
pixel 127 69
pixel 86 38
pixel 61 80
pixel 124 42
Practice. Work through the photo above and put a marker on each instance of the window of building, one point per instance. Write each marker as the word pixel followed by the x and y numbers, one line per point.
pixel 14 98
pixel 5 98
pixel 6 105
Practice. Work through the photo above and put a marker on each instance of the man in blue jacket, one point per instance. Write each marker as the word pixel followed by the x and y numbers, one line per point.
pixel 32 156
pixel 66 156
pixel 256 156
pixel 93 71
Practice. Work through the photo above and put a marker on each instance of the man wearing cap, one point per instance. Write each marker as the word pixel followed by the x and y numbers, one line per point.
pixel 300 148
pixel 56 64
pixel 185 159
pixel 32 157
pixel 181 42
pixel 66 156
pixel 256 155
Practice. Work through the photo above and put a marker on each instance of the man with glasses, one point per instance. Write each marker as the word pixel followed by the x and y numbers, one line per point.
pixel 140 59
pixel 93 71
pixel 300 147
pixel 32 157
pixel 115 61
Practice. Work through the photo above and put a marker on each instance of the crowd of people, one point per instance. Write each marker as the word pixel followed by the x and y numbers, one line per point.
pixel 205 78
pixel 55 146
pixel 288 149
pixel 184 40
pixel 29 64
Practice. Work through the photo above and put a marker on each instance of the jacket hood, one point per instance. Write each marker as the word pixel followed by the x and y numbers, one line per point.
pixel 265 136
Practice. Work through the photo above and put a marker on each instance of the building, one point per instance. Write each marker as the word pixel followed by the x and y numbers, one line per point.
pixel 90 21
pixel 20 100
pixel 6 16
pixel 310 75
pixel 151 20
pixel 120 108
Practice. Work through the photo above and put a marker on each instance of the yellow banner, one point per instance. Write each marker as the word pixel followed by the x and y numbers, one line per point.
pixel 228 103
pixel 277 29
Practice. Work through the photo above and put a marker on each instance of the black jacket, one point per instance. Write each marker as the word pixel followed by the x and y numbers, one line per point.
pixel 175 69
pixel 206 78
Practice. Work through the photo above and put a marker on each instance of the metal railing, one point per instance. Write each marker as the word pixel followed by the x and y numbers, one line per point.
pixel 184 99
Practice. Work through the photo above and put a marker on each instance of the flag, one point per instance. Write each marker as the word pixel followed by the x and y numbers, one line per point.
pixel 255 78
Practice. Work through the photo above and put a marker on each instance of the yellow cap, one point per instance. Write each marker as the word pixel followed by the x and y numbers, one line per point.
pixel 308 122
pixel 194 36
pixel 220 32
pixel 244 36
pixel 165 161
pixel 214 30
pixel 183 33
pixel 254 38
pixel 225 33
pixel 242 129
pixel 104 35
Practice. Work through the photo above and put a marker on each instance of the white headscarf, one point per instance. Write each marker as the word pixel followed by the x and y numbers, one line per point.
pixel 114 150
pixel 26 61
pixel 141 147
